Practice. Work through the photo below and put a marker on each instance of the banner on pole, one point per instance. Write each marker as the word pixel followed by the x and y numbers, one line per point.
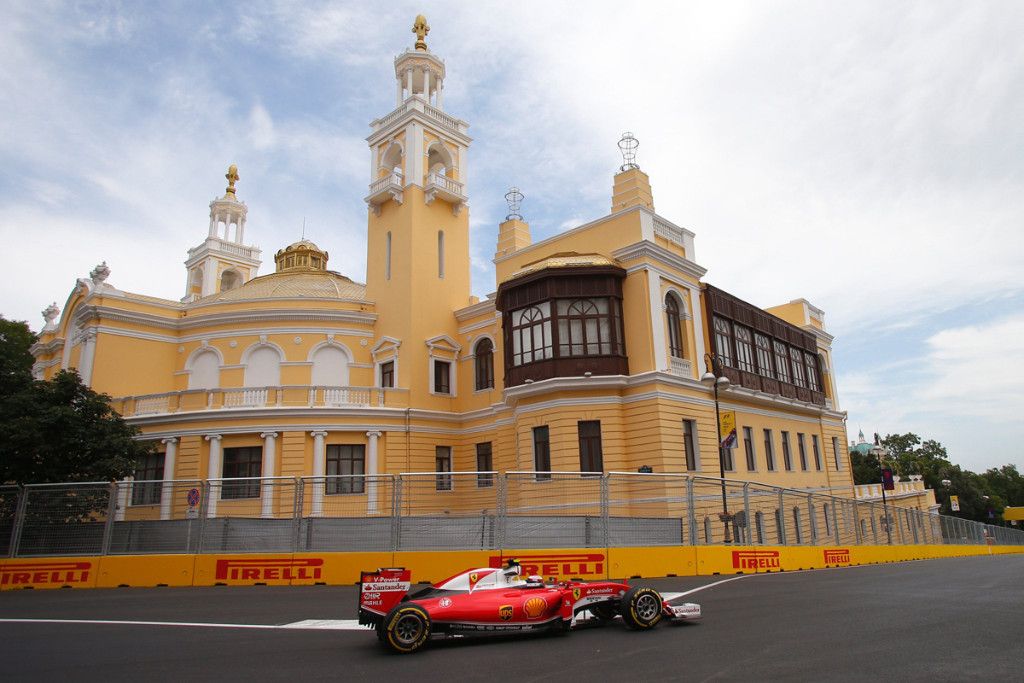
pixel 727 436
pixel 954 503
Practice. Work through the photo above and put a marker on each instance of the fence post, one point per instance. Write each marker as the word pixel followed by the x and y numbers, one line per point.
pixel 605 508
pixel 899 524
pixel 812 519
pixel 396 514
pixel 858 537
pixel 108 526
pixel 781 519
pixel 19 521
pixel 297 514
pixel 691 511
pixel 835 521
pixel 747 517
pixel 502 503
pixel 204 507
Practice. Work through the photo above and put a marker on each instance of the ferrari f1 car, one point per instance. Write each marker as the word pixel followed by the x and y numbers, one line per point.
pixel 499 600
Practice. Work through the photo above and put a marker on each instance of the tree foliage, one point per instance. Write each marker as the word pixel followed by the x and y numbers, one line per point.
pixel 58 430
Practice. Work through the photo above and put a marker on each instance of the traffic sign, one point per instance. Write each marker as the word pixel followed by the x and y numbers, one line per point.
pixel 193 497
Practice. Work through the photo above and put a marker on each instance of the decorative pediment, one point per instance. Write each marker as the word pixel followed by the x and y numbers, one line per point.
pixel 444 346
pixel 385 348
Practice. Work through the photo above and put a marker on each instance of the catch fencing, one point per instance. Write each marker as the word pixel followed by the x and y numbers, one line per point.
pixel 452 511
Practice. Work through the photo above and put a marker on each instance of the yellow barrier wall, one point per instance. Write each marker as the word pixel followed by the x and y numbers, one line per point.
pixel 296 569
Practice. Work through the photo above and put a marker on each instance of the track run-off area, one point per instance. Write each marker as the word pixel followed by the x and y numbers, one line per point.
pixel 944 619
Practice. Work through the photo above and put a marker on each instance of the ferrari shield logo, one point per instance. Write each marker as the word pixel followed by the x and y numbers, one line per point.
pixel 575 593
pixel 505 612
pixel 473 578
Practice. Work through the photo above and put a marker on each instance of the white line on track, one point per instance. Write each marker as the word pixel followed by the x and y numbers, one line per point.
pixel 306 624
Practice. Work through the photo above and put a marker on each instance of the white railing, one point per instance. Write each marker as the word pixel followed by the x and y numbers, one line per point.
pixel 445 183
pixel 663 228
pixel 386 183
pixel 441 117
pixel 244 398
pixel 680 367
pixel 346 396
pixel 152 404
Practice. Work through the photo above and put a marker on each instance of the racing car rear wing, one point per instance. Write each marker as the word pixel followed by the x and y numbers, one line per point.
pixel 381 590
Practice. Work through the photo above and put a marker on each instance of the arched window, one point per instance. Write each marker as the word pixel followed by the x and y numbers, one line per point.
pixel 585 328
pixel 531 334
pixel 675 332
pixel 330 367
pixel 263 367
pixel 391 162
pixel 204 371
pixel 484 354
pixel 230 279
pixel 439 159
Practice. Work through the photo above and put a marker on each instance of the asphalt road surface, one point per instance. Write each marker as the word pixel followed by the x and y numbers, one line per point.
pixel 939 620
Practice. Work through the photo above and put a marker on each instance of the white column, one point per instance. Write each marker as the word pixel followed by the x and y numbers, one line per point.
pixel 414 156
pixel 124 488
pixel 213 472
pixel 213 224
pixel 167 489
pixel 696 309
pixel 657 321
pixel 408 82
pixel 440 94
pixel 269 457
pixel 87 356
pixel 426 84
pixel 318 472
pixel 398 92
pixel 241 230
pixel 371 470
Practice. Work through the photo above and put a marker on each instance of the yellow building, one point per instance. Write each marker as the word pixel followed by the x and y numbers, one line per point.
pixel 588 358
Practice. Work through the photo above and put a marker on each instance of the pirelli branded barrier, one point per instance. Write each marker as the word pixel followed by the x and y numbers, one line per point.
pixel 303 569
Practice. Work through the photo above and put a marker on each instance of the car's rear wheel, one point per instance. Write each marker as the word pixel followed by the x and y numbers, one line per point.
pixel 641 607
pixel 603 611
pixel 406 628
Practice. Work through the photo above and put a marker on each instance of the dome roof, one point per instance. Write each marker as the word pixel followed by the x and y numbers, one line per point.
pixel 565 259
pixel 301 255
pixel 302 284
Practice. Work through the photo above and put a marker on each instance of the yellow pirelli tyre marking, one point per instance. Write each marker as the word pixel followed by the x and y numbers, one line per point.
pixel 408 629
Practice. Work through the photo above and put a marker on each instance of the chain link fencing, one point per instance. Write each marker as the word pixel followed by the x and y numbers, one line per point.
pixel 453 511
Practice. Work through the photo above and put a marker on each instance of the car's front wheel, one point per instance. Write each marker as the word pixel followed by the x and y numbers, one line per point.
pixel 641 607
pixel 406 628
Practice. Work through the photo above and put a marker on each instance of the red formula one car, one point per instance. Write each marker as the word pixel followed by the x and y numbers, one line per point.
pixel 489 600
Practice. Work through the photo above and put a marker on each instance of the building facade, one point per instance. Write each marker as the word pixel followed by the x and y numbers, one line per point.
pixel 588 358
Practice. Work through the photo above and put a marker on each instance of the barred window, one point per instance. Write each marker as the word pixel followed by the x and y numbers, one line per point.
pixel 531 334
pixel 812 372
pixel 723 340
pixel 238 463
pixel 346 463
pixel 675 333
pixel 798 367
pixel 484 463
pixel 584 327
pixel 689 444
pixel 149 468
pixel 744 349
pixel 541 453
pixel 787 459
pixel 764 355
pixel 591 457
pixel 443 466
pixel 781 361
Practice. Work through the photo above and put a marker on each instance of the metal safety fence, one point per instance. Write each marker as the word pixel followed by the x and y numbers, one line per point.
pixel 452 511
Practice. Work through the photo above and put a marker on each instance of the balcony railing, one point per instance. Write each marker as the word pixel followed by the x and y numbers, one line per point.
pixel 680 367
pixel 448 189
pixel 196 400
pixel 383 189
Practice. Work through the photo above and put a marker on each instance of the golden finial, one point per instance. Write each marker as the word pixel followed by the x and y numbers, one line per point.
pixel 232 176
pixel 421 30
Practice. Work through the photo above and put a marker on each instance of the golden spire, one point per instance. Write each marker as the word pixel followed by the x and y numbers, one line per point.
pixel 421 30
pixel 232 176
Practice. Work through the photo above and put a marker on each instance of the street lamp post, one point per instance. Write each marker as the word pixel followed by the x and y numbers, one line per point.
pixel 879 453
pixel 716 379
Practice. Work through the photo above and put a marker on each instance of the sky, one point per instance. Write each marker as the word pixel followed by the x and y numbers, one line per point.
pixel 866 156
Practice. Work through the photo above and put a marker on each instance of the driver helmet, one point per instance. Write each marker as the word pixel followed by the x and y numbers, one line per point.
pixel 534 581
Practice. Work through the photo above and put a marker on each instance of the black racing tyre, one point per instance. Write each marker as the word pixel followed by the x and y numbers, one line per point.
pixel 603 611
pixel 406 628
pixel 641 608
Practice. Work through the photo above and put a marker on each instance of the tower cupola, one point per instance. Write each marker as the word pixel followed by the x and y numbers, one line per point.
pixel 301 256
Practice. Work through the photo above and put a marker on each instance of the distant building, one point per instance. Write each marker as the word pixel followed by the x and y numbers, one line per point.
pixel 587 358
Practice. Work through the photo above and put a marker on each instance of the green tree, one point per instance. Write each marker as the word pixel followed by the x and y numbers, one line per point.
pixel 15 358
pixel 866 469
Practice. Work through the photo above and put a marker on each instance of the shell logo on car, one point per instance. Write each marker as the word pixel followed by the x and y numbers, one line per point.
pixel 534 607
